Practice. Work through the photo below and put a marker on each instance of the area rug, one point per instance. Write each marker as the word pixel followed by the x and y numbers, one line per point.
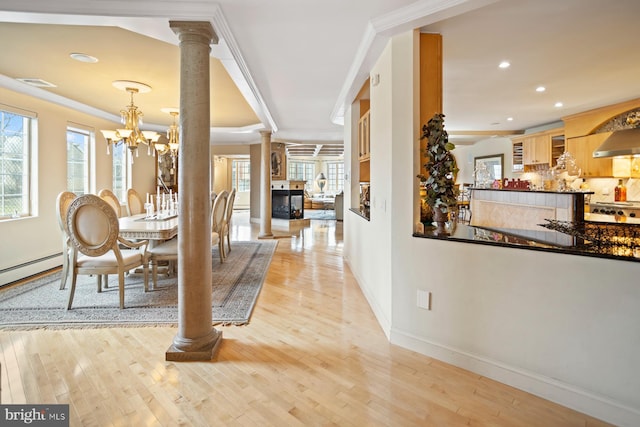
pixel 236 284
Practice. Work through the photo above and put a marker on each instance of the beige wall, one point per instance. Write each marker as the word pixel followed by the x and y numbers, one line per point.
pixel 36 240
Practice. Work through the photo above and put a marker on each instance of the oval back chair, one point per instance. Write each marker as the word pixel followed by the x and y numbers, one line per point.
pixel 109 197
pixel 93 234
pixel 63 201
pixel 135 205
pixel 226 233
pixel 217 221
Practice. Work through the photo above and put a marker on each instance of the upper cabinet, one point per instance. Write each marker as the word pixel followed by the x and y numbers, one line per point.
pixel 582 149
pixel 537 150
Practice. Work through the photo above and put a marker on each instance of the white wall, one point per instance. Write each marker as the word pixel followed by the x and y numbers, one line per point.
pixel 35 242
pixel 465 155
pixel 560 326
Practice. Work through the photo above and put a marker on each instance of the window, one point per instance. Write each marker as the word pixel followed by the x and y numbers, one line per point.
pixel 78 147
pixel 16 134
pixel 241 175
pixel 302 171
pixel 335 178
pixel 121 171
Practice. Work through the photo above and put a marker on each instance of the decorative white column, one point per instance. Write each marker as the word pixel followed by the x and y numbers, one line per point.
pixel 196 338
pixel 265 186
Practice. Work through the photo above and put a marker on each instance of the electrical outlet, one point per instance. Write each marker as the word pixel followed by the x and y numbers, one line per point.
pixel 424 299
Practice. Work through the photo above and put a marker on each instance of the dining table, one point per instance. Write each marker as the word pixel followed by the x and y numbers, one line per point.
pixel 139 227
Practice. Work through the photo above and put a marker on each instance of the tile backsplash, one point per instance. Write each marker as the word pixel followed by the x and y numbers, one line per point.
pixel 603 188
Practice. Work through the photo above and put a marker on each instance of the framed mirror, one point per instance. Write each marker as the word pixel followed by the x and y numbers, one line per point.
pixel 167 172
pixel 494 167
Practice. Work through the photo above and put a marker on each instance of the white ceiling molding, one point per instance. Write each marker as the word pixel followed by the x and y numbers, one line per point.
pixel 239 71
pixel 45 95
pixel 149 21
pixel 380 29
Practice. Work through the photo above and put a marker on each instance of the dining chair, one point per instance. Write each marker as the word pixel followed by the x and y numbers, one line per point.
pixel 109 197
pixel 213 198
pixel 63 201
pixel 93 235
pixel 226 233
pixel 135 204
pixel 217 221
pixel 165 251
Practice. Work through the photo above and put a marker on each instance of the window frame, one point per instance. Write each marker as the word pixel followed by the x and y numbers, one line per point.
pixel 29 176
pixel 335 179
pixel 89 157
pixel 308 169
pixel 244 184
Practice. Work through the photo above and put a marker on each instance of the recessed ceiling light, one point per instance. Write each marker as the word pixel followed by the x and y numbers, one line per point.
pixel 541 89
pixel 82 57
pixel 504 64
pixel 509 119
pixel 558 104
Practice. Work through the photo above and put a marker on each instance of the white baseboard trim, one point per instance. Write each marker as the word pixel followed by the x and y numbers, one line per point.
pixel 24 270
pixel 556 391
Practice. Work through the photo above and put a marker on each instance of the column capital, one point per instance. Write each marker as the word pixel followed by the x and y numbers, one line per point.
pixel 188 29
pixel 265 133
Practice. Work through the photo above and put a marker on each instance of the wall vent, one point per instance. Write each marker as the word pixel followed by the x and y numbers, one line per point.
pixel 37 82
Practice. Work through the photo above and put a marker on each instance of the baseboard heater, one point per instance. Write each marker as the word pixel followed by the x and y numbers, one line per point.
pixel 30 268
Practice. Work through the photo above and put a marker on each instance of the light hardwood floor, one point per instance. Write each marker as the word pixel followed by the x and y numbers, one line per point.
pixel 313 355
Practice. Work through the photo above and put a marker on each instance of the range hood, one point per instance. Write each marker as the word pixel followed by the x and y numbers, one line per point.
pixel 624 142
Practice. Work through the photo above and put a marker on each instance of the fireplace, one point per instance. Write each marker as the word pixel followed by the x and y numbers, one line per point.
pixel 287 199
pixel 287 204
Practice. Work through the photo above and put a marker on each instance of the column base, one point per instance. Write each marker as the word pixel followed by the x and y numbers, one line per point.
pixel 204 353
pixel 266 236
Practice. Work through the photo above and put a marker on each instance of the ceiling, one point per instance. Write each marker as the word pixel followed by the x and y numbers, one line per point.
pixel 293 66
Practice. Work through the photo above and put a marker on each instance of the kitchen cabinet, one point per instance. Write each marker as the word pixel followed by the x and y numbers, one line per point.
pixel 582 149
pixel 538 150
pixel 364 144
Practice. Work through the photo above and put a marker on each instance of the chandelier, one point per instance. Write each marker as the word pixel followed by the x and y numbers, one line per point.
pixel 173 135
pixel 131 118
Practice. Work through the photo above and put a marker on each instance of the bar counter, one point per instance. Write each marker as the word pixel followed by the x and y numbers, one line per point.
pixel 548 241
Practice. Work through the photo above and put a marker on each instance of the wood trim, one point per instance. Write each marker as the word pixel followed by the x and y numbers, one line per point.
pixel 430 83
pixel 585 123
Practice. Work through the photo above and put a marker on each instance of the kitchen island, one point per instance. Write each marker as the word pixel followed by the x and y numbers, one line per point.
pixel 524 209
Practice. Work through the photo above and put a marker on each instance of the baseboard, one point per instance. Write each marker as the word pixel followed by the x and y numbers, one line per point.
pixel 556 391
pixel 383 321
pixel 30 268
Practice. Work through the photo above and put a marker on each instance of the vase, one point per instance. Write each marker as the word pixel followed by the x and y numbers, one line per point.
pixel 440 218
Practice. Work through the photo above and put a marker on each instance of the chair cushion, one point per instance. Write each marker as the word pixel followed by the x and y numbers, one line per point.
pixel 170 247
pixel 109 259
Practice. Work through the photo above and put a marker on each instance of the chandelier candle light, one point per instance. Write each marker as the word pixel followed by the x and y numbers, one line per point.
pixel 173 133
pixel 131 118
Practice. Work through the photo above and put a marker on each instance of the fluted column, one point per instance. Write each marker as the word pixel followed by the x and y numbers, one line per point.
pixel 196 338
pixel 265 186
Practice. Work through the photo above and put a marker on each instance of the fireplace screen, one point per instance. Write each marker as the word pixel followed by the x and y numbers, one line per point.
pixel 287 204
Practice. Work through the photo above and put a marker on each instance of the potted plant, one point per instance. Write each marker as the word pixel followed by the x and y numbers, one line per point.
pixel 441 191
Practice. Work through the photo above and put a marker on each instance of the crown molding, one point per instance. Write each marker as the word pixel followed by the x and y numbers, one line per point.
pixel 381 29
pixel 147 17
pixel 239 71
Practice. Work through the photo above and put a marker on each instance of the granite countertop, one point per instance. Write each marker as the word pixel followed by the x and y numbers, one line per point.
pixel 526 190
pixel 548 241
